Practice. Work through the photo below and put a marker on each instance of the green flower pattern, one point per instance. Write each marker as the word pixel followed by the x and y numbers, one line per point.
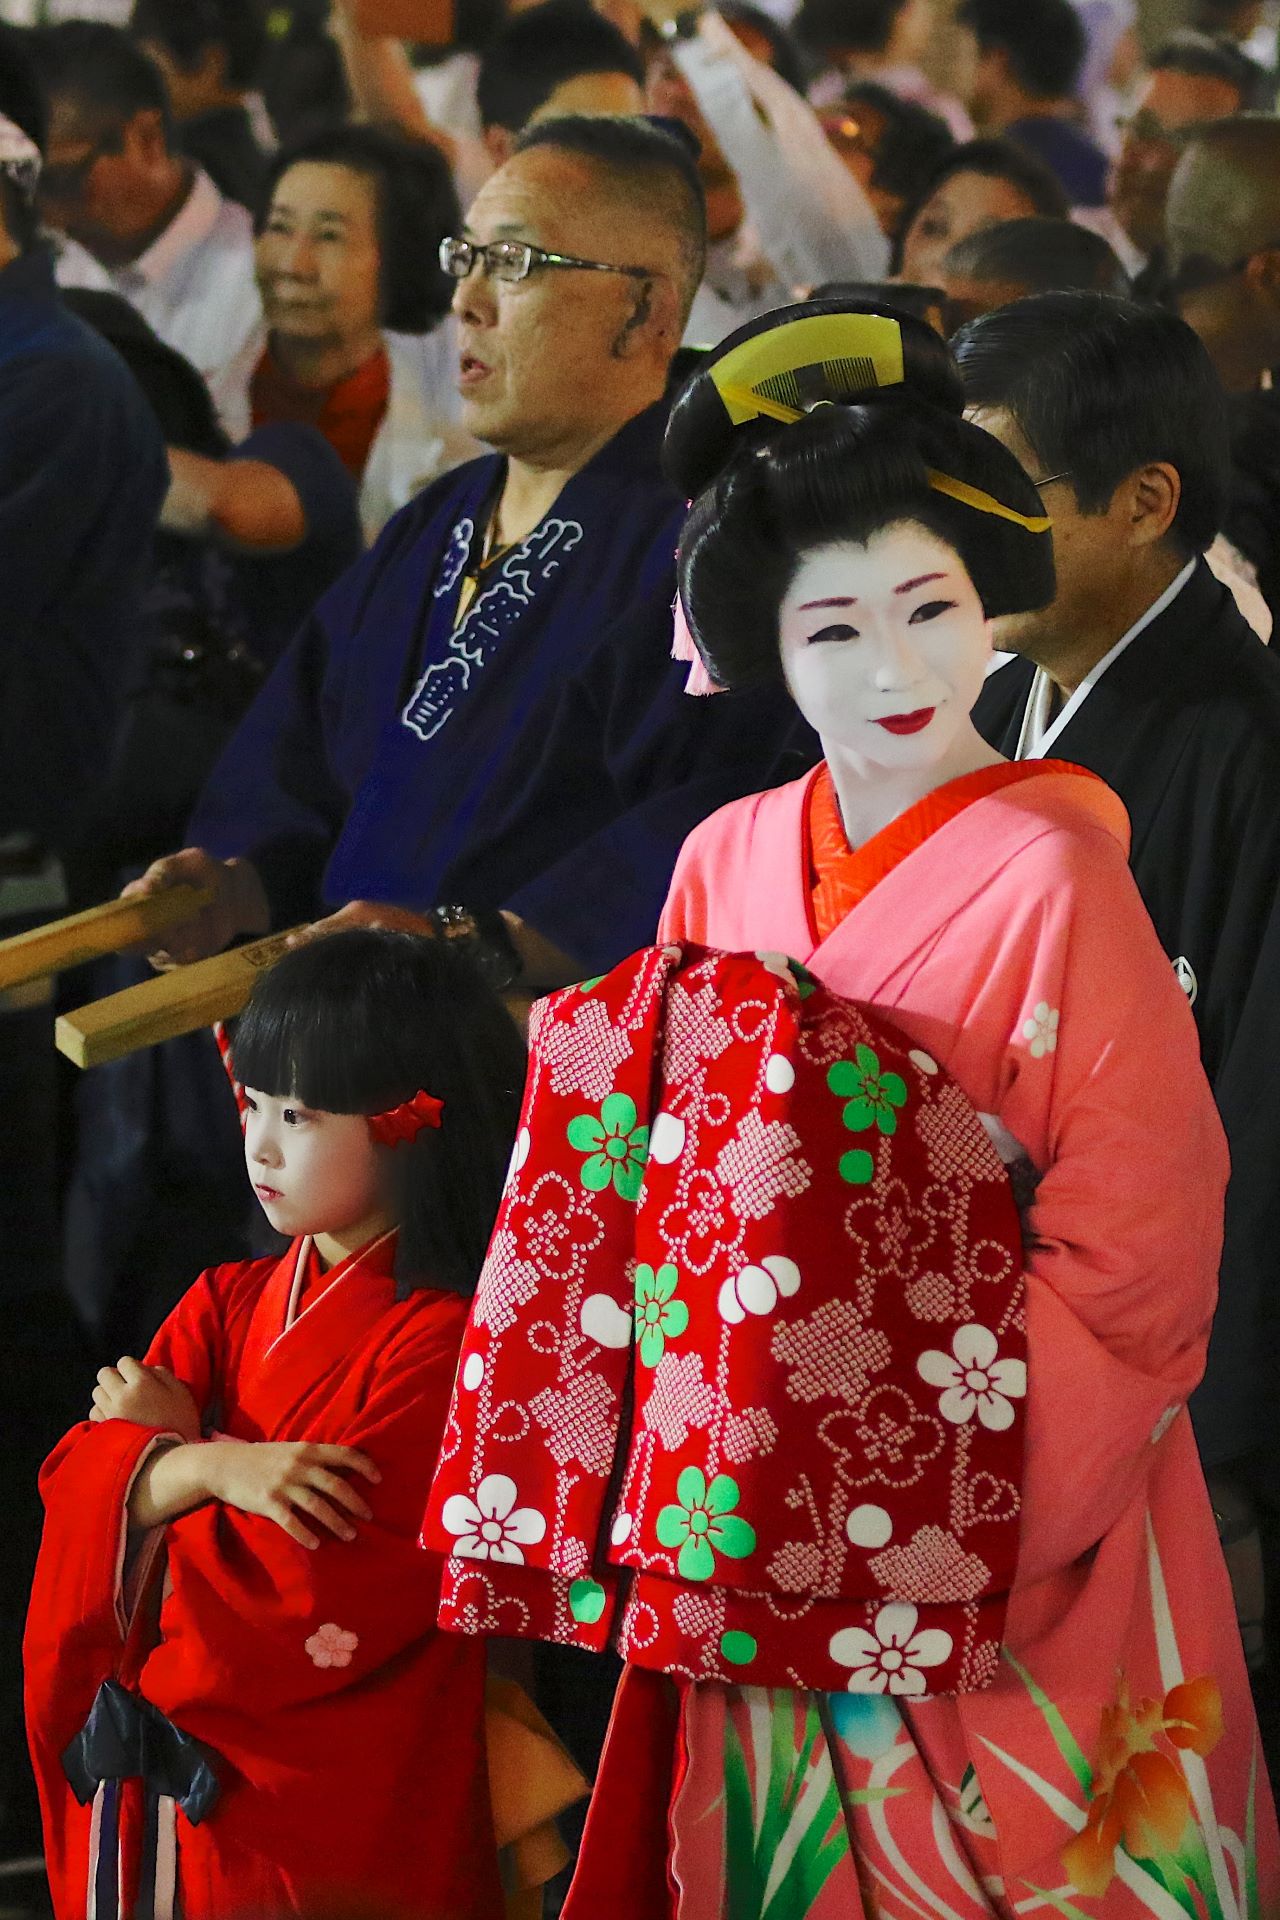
pixel 702 1524
pixel 872 1096
pixel 803 978
pixel 659 1315
pixel 616 1148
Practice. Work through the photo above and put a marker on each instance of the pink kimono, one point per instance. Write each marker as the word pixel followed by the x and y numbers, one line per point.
pixel 1114 1766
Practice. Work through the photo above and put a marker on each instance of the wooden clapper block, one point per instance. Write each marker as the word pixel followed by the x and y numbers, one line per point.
pixel 173 1003
pixel 66 943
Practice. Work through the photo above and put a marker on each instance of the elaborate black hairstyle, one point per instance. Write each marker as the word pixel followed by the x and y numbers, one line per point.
pixel 826 422
pixel 360 1022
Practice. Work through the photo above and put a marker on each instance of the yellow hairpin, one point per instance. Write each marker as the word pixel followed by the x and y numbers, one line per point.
pixel 825 357
pixel 752 405
pixel 986 503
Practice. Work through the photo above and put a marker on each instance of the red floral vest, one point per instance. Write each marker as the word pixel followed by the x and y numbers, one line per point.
pixel 743 1387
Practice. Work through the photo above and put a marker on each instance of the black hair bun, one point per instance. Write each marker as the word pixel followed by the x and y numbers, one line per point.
pixel 701 439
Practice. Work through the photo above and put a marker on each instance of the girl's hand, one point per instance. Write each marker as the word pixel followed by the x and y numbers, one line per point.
pixel 151 1396
pixel 281 1479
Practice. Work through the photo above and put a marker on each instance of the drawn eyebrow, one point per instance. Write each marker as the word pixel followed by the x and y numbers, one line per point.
pixel 810 605
pixel 921 581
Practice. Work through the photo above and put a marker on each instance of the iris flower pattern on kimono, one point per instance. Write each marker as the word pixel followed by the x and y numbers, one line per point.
pixel 736 1204
pixel 1113 1767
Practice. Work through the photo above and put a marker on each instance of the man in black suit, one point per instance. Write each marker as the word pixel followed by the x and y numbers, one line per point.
pixel 1143 671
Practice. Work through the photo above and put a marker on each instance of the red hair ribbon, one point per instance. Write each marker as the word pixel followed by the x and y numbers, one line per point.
pixel 401 1124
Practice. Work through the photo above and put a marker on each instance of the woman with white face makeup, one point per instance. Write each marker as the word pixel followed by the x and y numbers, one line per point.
pixel 851 536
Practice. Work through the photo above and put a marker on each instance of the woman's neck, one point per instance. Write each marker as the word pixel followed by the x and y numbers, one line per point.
pixel 871 795
pixel 323 363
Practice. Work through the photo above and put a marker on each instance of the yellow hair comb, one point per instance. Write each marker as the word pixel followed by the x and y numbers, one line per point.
pixel 823 356
pixel 827 358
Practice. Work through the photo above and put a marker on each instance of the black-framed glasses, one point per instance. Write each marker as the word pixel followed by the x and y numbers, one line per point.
pixel 513 260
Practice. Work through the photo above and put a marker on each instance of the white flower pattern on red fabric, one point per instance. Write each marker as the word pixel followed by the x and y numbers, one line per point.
pixel 830 1354
pixel 332 1646
pixel 584 1057
pixel 699 1228
pixel 579 1421
pixel 506 1283
pixel 519 1154
pixel 491 1526
pixel 762 1163
pixel 889 1659
pixel 553 1228
pixel 696 1030
pixel 681 1399
pixel 1041 1030
pixel 757 1289
pixel 974 1380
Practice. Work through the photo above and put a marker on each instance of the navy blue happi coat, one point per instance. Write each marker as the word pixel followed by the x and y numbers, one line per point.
pixel 539 753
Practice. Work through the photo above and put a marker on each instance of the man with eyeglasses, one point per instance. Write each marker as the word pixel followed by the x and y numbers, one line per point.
pixel 484 714
pixel 1144 671
pixel 141 220
pixel 1192 79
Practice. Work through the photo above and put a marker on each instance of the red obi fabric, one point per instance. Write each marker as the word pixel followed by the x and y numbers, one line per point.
pixel 743 1386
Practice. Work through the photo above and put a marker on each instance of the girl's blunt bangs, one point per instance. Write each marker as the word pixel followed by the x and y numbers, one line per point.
pixel 318 1029
pixel 358 1022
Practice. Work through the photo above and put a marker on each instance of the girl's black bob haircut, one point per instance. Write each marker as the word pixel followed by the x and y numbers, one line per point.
pixel 765 493
pixel 359 1022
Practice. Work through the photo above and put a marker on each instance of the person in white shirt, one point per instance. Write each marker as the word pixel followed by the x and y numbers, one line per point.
pixel 784 213
pixel 1191 81
pixel 546 61
pixel 141 220
pixel 880 40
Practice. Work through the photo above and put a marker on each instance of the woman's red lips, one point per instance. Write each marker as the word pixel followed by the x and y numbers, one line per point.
pixel 907 722
pixel 267 1193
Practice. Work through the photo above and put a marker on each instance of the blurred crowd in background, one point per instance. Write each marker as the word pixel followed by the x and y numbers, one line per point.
pixel 230 349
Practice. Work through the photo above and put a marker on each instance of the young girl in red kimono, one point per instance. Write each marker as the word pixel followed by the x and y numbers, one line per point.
pixel 850 539
pixel 293 1735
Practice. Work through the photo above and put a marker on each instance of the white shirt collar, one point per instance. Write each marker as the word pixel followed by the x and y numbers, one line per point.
pixel 190 227
pixel 1038 733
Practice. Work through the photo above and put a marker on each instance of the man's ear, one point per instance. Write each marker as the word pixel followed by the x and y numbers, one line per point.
pixel 144 136
pixel 653 325
pixel 499 144
pixel 1262 274
pixel 1152 496
pixel 636 326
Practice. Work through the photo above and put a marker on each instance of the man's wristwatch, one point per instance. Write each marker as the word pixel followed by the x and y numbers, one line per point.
pixel 486 941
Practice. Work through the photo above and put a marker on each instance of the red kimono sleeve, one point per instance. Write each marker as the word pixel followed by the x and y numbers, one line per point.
pixel 349 1731
pixel 76 1620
